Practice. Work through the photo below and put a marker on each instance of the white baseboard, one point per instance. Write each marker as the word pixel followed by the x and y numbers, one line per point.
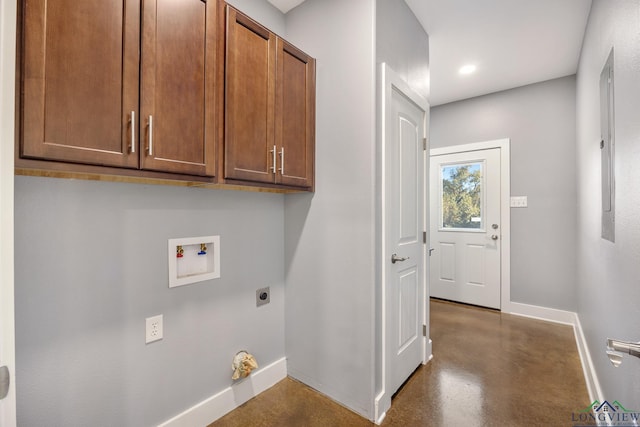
pixel 565 318
pixel 209 410
pixel 593 385
pixel 542 313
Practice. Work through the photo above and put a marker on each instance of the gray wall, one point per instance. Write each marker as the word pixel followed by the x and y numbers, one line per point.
pixel 540 121
pixel 608 290
pixel 91 265
pixel 329 236
pixel 403 44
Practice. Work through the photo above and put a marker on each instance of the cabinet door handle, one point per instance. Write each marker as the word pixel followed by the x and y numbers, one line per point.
pixel 273 166
pixel 281 161
pixel 133 132
pixel 150 147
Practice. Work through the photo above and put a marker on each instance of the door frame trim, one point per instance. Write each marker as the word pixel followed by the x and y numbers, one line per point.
pixel 8 22
pixel 389 79
pixel 505 206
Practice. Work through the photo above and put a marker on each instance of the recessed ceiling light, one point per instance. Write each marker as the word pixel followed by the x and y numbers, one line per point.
pixel 467 69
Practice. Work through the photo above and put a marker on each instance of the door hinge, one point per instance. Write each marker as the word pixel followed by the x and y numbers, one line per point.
pixel 4 382
pixel 424 237
pixel 424 330
pixel 424 144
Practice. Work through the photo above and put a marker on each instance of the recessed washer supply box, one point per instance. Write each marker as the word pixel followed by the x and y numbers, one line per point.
pixel 193 259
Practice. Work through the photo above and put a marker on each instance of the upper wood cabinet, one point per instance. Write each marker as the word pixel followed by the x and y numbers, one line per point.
pixel 250 68
pixel 80 80
pixel 269 107
pixel 295 115
pixel 92 94
pixel 191 90
pixel 178 91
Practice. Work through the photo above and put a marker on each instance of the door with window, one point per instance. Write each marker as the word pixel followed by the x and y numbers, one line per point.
pixel 465 227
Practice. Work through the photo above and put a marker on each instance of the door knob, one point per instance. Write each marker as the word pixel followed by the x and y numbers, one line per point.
pixel 494 237
pixel 4 382
pixel 395 258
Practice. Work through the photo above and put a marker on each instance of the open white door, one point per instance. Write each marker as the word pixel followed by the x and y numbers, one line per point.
pixel 403 248
pixel 7 106
pixel 404 243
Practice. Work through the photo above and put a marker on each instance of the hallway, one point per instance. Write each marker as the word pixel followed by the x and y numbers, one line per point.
pixel 488 368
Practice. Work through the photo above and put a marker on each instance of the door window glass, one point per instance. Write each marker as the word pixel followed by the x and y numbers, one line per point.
pixel 462 196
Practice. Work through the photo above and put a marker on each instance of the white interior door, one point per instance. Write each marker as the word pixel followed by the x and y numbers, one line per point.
pixel 7 106
pixel 404 254
pixel 466 227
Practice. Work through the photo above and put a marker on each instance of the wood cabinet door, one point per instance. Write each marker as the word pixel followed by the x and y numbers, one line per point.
pixel 178 86
pixel 80 81
pixel 295 116
pixel 249 100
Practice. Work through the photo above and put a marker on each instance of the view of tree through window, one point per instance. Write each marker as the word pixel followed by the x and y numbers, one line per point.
pixel 462 196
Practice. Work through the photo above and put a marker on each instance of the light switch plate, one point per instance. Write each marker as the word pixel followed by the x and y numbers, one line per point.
pixel 519 201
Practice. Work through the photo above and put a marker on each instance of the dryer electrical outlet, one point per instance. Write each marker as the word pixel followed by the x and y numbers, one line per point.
pixel 263 296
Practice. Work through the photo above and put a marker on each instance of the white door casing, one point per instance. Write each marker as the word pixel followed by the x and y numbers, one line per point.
pixel 471 264
pixel 403 200
pixel 8 13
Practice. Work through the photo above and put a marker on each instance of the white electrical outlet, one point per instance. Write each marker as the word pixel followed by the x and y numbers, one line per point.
pixel 154 329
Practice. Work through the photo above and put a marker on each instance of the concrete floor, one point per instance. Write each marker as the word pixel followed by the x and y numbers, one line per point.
pixel 488 369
